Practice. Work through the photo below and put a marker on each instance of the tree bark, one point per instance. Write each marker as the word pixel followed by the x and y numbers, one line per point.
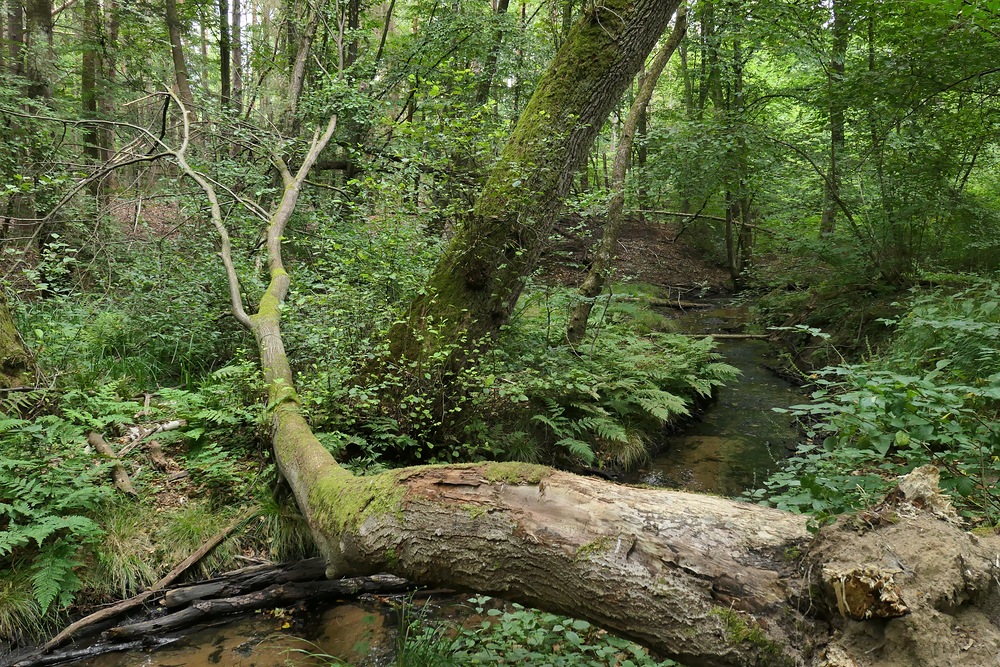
pixel 475 285
pixel 835 79
pixel 16 365
pixel 15 37
pixel 489 68
pixel 603 258
pixel 40 59
pixel 297 75
pixel 237 57
pixel 91 68
pixel 181 77
pixel 225 76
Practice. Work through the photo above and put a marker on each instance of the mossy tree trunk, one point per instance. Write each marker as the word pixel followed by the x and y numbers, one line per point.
pixel 603 260
pixel 16 366
pixel 474 287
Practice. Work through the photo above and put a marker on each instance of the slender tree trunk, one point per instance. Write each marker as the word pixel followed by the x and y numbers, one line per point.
pixel 106 91
pixel 237 57
pixel 177 55
pixel 225 77
pixel 835 79
pixel 40 60
pixel 297 76
pixel 90 73
pixel 477 282
pixel 15 37
pixel 489 69
pixel 353 23
pixel 603 257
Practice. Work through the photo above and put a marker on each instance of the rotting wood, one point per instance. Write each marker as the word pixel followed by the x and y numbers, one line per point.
pixel 118 474
pixel 273 596
pixel 156 456
pixel 259 587
pixel 139 434
pixel 145 596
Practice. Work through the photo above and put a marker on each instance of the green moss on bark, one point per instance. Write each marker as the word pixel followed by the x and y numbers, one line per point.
pixel 16 365
pixel 475 286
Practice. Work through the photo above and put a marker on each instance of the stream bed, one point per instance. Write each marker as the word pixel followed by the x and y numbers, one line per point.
pixel 738 440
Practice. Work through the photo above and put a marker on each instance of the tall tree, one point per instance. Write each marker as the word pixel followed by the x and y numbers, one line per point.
pixel 489 67
pixel 237 55
pixel 89 78
pixel 475 286
pixel 181 78
pixel 835 82
pixel 39 56
pixel 225 77
pixel 603 256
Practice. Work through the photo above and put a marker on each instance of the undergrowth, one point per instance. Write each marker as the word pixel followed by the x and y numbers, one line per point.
pixel 517 636
pixel 933 396
pixel 531 396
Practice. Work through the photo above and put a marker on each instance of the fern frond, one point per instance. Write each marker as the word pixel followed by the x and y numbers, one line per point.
pixel 577 448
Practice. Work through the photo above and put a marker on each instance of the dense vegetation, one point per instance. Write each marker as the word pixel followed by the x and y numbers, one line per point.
pixel 839 159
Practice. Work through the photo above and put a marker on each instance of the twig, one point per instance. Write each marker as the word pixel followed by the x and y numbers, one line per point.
pixel 135 601
pixel 122 482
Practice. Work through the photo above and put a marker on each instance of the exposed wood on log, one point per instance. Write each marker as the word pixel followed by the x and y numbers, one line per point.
pixel 118 474
pixel 139 434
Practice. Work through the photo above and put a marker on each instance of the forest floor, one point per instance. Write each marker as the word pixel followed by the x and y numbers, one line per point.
pixel 649 252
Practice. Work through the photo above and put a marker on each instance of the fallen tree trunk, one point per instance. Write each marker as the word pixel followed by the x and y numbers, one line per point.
pixel 707 580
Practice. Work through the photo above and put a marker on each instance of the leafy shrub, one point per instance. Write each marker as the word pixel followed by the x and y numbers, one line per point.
pixel 520 637
pixel 933 397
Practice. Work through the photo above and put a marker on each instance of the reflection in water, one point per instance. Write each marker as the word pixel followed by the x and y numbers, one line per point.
pixel 739 439
pixel 354 633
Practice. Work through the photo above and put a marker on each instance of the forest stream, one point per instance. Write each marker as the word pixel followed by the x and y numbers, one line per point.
pixel 733 444
pixel 738 440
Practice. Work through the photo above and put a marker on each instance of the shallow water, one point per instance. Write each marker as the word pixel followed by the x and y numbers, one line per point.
pixel 738 440
pixel 357 633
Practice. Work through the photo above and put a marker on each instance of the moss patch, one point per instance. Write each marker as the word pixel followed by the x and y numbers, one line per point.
pixel 516 473
pixel 742 630
pixel 344 503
